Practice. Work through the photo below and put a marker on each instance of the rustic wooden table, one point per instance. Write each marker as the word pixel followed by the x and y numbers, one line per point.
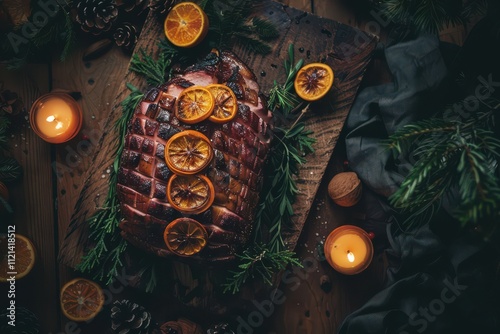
pixel 45 201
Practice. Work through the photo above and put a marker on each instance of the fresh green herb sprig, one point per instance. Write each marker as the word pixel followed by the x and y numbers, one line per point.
pixel 259 261
pixel 275 210
pixel 282 97
pixel 106 257
pixel 155 71
pixel 451 155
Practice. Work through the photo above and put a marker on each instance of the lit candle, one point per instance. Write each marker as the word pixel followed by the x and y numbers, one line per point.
pixel 56 117
pixel 348 249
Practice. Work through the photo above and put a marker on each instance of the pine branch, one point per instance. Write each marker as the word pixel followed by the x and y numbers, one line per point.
pixel 70 37
pixel 253 44
pixel 10 170
pixel 265 29
pixel 454 155
pixel 229 25
pixel 431 15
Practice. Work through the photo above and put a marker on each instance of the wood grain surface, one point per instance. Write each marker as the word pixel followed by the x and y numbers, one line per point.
pixel 346 50
pixel 55 181
pixel 32 200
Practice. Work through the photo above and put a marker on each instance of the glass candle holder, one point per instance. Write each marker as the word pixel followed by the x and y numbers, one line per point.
pixel 348 249
pixel 56 117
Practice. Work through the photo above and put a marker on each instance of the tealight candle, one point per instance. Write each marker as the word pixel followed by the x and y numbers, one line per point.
pixel 349 249
pixel 56 117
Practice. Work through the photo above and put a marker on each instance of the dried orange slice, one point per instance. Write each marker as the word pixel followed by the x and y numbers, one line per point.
pixel 194 104
pixel 190 193
pixel 313 81
pixel 186 25
pixel 226 104
pixel 17 256
pixel 81 299
pixel 188 152
pixel 185 236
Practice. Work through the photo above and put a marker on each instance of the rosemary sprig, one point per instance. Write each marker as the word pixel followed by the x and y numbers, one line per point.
pixel 155 71
pixel 258 260
pixel 282 97
pixel 275 210
pixel 105 259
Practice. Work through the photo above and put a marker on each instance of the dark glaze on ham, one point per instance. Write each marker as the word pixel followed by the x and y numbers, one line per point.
pixel 240 149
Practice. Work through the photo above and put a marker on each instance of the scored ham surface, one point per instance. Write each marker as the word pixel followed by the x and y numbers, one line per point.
pixel 240 149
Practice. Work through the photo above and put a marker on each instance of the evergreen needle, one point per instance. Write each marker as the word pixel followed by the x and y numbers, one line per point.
pixel 275 210
pixel 105 259
pixel 451 157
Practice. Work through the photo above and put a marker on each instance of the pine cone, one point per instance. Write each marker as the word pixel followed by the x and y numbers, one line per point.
pixel 96 16
pixel 15 12
pixel 129 318
pixel 161 6
pixel 222 328
pixel 26 322
pixel 126 36
pixel 10 102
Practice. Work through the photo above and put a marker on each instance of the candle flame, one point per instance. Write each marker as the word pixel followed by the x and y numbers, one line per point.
pixel 51 119
pixel 350 256
pixel 59 125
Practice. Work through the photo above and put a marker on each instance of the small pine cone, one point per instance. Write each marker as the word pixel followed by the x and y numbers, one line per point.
pixel 10 102
pixel 222 328
pixel 133 5
pixel 129 318
pixel 126 36
pixel 26 322
pixel 161 7
pixel 96 16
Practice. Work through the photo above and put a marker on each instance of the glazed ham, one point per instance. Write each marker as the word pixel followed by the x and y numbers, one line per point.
pixel 240 148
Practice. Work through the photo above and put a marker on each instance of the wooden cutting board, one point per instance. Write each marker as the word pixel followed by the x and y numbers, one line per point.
pixel 346 49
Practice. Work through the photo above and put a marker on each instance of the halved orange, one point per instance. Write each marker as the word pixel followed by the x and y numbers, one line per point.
pixel 226 104
pixel 191 194
pixel 313 81
pixel 185 236
pixel 17 256
pixel 194 104
pixel 81 299
pixel 186 25
pixel 188 152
